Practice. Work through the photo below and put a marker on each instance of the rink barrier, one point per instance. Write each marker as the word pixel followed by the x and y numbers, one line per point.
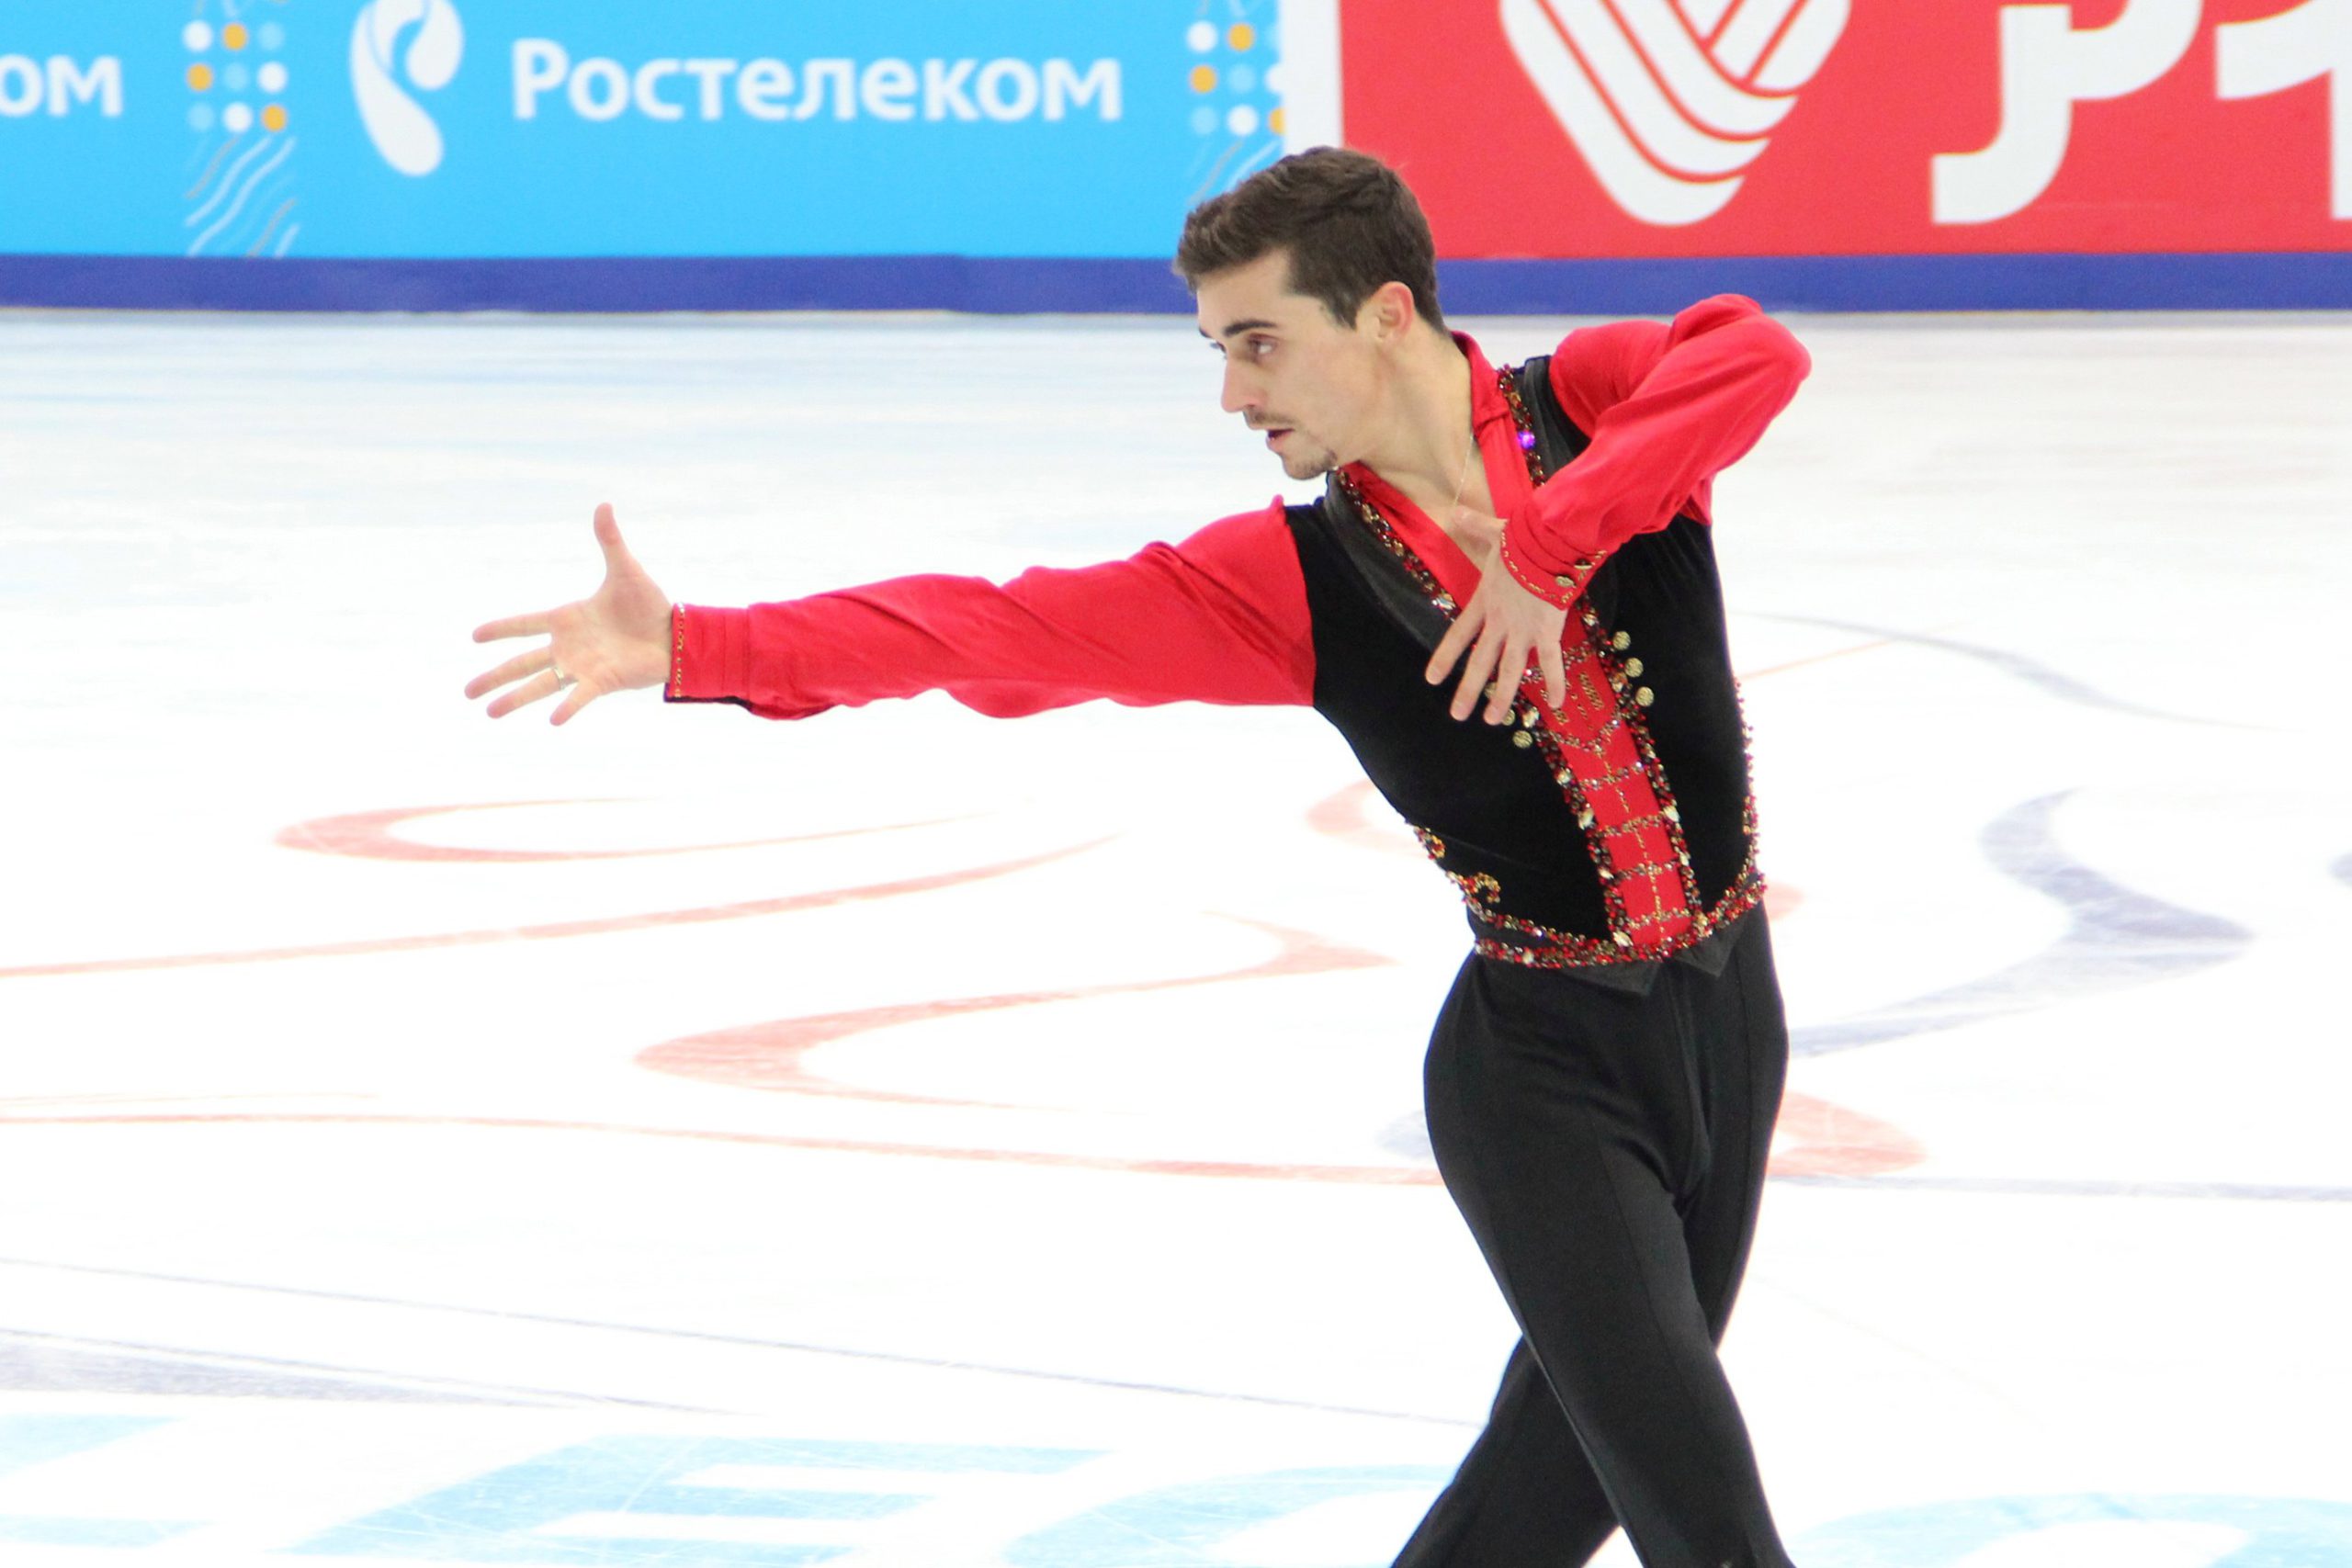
pixel 1013 286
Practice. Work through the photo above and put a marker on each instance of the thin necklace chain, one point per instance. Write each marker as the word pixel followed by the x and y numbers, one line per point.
pixel 1461 480
pixel 1526 442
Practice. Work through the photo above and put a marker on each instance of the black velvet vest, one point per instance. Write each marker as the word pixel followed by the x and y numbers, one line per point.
pixel 1495 804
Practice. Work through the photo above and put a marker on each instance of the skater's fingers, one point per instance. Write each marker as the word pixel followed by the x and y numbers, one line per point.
pixel 1477 671
pixel 543 684
pixel 1508 670
pixel 608 538
pixel 514 669
pixel 579 697
pixel 533 625
pixel 1457 637
pixel 1555 670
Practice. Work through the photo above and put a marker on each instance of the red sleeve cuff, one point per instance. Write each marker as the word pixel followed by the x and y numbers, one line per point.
pixel 710 655
pixel 1560 588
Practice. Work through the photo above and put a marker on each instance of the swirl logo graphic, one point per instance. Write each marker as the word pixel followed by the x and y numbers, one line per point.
pixel 401 128
pixel 1669 100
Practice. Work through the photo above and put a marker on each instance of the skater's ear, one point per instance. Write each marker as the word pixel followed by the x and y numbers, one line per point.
pixel 1387 314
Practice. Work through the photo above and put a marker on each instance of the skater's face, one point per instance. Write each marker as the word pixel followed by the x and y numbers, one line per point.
pixel 1310 386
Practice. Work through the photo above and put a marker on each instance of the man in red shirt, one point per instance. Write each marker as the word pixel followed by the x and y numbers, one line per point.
pixel 1602 1080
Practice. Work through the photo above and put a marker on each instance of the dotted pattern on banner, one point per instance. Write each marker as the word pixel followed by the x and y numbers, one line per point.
pixel 237 189
pixel 1236 94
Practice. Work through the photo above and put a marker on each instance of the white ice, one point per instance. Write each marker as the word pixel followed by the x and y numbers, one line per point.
pixel 358 1205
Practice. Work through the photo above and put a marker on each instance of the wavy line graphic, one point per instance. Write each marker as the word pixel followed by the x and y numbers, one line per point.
pixel 275 218
pixel 1669 104
pixel 268 197
pixel 205 178
pixel 285 151
pixel 227 182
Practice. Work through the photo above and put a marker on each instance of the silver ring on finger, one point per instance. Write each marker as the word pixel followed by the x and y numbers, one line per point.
pixel 562 678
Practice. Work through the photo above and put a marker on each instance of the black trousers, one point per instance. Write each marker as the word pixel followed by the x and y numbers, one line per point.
pixel 1607 1148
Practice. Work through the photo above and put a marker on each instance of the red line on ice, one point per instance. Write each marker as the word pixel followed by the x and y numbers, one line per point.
pixel 823 898
pixel 367 835
pixel 768 1055
pixel 1854 1144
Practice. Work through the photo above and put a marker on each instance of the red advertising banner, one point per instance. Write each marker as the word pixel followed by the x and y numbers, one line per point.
pixel 1570 129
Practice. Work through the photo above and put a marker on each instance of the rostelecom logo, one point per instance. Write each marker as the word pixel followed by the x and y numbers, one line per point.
pixel 1669 100
pixel 401 128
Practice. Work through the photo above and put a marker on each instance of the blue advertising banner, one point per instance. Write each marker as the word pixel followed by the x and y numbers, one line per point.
pixel 771 155
pixel 492 130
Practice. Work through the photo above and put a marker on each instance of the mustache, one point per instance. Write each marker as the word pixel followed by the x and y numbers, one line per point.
pixel 1271 424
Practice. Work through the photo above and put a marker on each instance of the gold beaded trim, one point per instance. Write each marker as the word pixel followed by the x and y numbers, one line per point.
pixel 1537 469
pixel 1565 951
pixel 1423 578
pixel 1564 589
pixel 1481 892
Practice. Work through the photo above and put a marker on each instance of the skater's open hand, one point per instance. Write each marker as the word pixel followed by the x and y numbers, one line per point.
pixel 1508 624
pixel 616 640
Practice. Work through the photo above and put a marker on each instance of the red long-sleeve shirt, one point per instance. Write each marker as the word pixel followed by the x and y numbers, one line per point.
pixel 1222 616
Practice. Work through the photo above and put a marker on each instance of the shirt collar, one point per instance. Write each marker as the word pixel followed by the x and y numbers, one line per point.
pixel 1487 404
pixel 1496 428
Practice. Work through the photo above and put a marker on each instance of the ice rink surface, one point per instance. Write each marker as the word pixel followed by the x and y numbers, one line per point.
pixel 906 1138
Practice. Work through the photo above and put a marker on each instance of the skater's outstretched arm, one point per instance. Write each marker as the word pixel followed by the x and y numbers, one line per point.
pixel 1218 617
pixel 616 639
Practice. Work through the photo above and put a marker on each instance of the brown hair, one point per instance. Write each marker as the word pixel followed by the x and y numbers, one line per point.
pixel 1347 220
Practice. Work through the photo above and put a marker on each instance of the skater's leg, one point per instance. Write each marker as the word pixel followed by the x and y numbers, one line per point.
pixel 1742 1065
pixel 1567 1122
pixel 1524 1496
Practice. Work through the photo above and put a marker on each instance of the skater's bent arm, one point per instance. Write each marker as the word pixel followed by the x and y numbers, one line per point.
pixel 1667 408
pixel 1219 617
